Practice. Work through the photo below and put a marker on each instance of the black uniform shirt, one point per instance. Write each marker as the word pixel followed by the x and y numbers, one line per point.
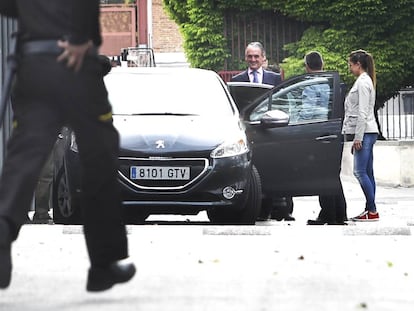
pixel 73 20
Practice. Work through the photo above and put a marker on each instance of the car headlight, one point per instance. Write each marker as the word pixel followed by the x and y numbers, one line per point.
pixel 231 148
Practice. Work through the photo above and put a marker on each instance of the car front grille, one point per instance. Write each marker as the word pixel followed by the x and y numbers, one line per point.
pixel 197 168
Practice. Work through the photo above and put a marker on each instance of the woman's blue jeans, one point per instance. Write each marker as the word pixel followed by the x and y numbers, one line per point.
pixel 364 171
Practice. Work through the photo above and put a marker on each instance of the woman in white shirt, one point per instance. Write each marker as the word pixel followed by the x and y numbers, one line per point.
pixel 361 128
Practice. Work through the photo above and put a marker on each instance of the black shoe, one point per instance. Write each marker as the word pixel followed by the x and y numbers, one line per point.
pixel 42 219
pixel 279 217
pixel 5 255
pixel 316 222
pixel 322 222
pixel 282 208
pixel 100 279
pixel 289 217
pixel 263 217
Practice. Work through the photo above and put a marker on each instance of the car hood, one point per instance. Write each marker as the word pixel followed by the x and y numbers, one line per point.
pixel 245 93
pixel 158 134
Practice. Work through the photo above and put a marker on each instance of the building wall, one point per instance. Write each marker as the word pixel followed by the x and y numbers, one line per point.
pixel 118 26
pixel 166 37
pixel 392 163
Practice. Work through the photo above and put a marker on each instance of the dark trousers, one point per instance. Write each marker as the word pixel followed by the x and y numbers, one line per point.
pixel 46 97
pixel 333 207
pixel 44 188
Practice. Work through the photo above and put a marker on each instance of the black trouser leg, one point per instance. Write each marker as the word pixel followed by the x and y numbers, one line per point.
pixel 44 188
pixel 104 229
pixel 333 207
pixel 328 209
pixel 27 151
pixel 340 205
pixel 79 100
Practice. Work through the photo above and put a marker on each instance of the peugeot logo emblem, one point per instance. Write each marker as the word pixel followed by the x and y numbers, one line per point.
pixel 159 144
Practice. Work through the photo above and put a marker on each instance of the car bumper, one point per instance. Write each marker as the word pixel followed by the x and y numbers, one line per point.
pixel 204 194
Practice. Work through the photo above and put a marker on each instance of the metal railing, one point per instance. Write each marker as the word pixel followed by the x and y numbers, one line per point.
pixel 396 118
pixel 226 75
pixel 7 27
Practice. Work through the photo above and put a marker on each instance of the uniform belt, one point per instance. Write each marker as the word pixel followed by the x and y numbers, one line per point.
pixel 45 47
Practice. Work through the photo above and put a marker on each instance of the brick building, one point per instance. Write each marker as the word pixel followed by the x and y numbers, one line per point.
pixel 166 36
pixel 141 23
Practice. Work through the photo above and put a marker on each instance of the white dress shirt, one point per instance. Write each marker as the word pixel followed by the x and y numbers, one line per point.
pixel 259 75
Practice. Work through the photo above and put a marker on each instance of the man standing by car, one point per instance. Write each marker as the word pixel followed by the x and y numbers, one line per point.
pixel 59 81
pixel 333 207
pixel 255 57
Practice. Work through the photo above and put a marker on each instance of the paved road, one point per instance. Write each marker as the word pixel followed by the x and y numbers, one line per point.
pixel 196 266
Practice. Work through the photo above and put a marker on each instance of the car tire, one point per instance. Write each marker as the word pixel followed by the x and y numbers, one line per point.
pixel 246 214
pixel 65 210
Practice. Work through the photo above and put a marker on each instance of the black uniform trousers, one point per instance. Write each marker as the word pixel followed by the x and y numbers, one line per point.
pixel 333 207
pixel 47 95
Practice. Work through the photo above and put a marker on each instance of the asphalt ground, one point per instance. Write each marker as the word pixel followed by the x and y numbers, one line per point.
pixel 191 265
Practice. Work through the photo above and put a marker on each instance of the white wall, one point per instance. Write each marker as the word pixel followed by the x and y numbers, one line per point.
pixel 393 162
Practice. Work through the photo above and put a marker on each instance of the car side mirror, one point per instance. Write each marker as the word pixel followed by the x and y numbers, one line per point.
pixel 275 118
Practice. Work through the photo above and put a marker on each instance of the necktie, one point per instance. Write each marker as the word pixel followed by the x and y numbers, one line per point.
pixel 255 80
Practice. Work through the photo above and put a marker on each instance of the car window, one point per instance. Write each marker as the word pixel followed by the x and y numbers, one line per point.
pixel 167 93
pixel 307 99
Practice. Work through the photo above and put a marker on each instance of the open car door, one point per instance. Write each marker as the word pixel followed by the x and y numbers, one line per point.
pixel 245 93
pixel 295 132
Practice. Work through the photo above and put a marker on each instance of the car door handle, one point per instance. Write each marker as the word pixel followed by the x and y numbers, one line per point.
pixel 327 137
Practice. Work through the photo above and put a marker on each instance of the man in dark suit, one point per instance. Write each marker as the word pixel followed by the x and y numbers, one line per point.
pixel 333 207
pixel 255 56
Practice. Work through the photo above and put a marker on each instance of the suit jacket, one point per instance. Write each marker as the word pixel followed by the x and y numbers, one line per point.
pixel 269 77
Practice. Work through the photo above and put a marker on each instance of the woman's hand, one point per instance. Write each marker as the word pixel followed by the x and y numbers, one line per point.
pixel 357 145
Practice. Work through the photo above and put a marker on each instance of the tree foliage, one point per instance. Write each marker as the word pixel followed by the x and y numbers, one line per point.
pixel 382 27
pixel 201 24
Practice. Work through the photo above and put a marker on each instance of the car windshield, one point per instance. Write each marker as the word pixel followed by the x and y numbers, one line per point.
pixel 175 93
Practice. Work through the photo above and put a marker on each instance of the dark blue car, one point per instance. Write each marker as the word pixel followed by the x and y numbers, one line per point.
pixel 190 143
pixel 183 149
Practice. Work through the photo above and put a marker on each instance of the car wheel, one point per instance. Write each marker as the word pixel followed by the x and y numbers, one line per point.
pixel 65 210
pixel 135 216
pixel 246 214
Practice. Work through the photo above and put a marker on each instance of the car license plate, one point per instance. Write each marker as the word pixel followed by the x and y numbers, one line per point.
pixel 160 172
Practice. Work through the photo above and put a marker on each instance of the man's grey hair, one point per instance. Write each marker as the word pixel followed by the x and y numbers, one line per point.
pixel 257 44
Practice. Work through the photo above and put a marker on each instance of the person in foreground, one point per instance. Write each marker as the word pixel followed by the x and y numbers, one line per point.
pixel 333 207
pixel 59 81
pixel 361 128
